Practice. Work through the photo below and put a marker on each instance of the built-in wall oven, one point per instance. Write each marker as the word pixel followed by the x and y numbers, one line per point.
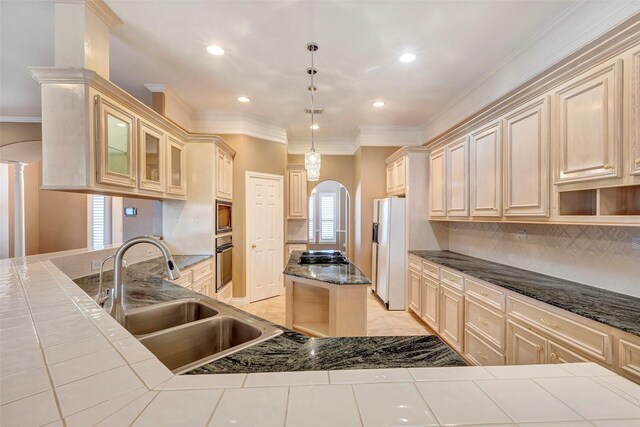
pixel 223 217
pixel 224 261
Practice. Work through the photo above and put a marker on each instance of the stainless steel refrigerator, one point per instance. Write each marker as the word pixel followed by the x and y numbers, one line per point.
pixel 388 252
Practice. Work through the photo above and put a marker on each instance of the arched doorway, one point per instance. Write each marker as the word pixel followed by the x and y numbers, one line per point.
pixel 328 226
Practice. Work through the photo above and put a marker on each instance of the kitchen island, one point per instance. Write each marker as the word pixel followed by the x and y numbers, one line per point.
pixel 325 299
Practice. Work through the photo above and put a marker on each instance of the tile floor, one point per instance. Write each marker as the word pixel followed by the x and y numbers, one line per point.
pixel 380 322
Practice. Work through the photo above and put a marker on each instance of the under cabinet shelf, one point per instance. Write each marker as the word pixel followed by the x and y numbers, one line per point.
pixel 620 200
pixel 578 203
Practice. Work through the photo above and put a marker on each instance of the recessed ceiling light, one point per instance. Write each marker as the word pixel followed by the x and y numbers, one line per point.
pixel 378 104
pixel 215 50
pixel 408 57
pixel 314 127
pixel 243 99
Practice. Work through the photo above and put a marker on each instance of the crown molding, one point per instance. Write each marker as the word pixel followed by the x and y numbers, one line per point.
pixel 327 146
pixel 387 136
pixel 231 123
pixel 155 88
pixel 100 9
pixel 14 119
pixel 571 31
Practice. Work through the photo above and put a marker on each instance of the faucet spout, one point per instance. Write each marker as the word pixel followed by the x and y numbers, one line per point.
pixel 173 272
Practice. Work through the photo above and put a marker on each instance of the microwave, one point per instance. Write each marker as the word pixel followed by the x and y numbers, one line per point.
pixel 223 217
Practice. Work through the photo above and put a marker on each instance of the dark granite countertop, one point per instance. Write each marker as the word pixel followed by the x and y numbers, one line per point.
pixel 607 307
pixel 290 351
pixel 337 274
pixel 296 242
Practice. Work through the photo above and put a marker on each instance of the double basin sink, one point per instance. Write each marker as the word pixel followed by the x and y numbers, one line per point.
pixel 188 333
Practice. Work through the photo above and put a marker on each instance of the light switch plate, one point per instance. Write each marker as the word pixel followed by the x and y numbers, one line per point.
pixel 635 243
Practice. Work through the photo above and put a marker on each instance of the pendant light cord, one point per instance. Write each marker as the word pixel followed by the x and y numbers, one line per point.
pixel 313 89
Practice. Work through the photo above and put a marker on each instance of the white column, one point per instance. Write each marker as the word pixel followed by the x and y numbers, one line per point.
pixel 18 206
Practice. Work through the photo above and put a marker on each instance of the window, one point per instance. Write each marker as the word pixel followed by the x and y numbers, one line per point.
pixel 98 220
pixel 312 215
pixel 327 217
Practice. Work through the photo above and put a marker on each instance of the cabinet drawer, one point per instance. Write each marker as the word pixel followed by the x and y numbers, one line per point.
pixel 592 341
pixel 488 323
pixel 451 278
pixel 629 359
pixel 561 354
pixel 486 294
pixel 481 353
pixel 415 263
pixel 184 280
pixel 202 270
pixel 203 285
pixel 430 269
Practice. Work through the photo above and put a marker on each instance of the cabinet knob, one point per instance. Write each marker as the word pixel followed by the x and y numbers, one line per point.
pixel 253 246
pixel 481 320
pixel 638 161
pixel 549 324
pixel 554 356
pixel 608 166
pixel 133 180
pixel 482 356
pixel 506 208
pixel 538 348
pixel 484 294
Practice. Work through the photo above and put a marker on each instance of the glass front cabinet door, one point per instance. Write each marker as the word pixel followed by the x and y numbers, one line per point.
pixel 177 162
pixel 152 158
pixel 116 144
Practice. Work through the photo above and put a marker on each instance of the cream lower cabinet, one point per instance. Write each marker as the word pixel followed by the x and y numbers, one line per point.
pixel 198 278
pixel 430 302
pixel 524 346
pixel 414 290
pixel 451 316
pixel 490 325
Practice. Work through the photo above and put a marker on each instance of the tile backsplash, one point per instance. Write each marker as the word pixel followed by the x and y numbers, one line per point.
pixel 594 255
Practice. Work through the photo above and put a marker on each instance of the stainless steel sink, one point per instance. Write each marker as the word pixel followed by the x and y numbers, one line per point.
pixel 166 315
pixel 185 334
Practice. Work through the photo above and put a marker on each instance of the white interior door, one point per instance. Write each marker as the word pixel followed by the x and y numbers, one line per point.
pixel 264 240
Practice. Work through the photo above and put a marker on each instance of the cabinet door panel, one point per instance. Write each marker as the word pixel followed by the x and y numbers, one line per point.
pixel 177 165
pixel 116 144
pixel 451 317
pixel 587 132
pixel 220 175
pixel 635 114
pixel 526 160
pixel 298 194
pixel 560 354
pixel 228 181
pixel 524 347
pixel 391 185
pixel 400 175
pixel 152 158
pixel 486 171
pixel 437 188
pixel 430 301
pixel 414 291
pixel 458 179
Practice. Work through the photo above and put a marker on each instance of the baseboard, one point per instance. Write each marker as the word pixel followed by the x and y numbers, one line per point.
pixel 239 301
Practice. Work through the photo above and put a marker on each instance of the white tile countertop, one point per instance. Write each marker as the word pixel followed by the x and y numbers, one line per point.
pixel 65 361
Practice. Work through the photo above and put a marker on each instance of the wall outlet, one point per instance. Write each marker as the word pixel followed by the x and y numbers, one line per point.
pixel 95 264
pixel 635 243
pixel 521 233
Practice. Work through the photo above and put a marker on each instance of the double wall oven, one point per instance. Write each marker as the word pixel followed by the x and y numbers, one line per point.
pixel 224 261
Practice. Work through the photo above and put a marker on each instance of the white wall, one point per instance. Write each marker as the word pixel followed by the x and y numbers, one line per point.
pixel 593 255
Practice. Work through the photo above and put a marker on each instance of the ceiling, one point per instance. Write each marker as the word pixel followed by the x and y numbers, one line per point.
pixel 457 43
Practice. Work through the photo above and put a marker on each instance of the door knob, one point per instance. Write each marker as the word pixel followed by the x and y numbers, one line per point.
pixel 253 246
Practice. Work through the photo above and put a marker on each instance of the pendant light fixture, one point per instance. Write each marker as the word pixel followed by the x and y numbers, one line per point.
pixel 312 159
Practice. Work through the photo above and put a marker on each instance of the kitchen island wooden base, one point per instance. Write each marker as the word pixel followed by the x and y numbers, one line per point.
pixel 326 309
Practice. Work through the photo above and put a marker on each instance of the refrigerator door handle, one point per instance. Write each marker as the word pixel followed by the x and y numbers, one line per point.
pixel 374 236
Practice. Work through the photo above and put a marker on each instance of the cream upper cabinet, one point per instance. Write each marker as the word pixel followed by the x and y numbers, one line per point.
pixel 452 316
pixel 391 185
pixel 152 149
pixel 457 182
pixel 437 181
pixel 524 347
pixel 224 175
pixel 635 114
pixel 486 171
pixel 176 167
pixel 116 144
pixel 587 132
pixel 298 201
pixel 430 302
pixel 526 160
pixel 400 169
pixel 414 291
pixel 396 176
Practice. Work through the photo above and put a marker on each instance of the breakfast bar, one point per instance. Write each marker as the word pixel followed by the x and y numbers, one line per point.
pixel 326 295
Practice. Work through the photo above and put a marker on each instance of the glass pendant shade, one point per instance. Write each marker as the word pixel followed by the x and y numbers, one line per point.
pixel 312 165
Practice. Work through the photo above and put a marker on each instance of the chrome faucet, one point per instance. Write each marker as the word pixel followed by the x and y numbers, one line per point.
pixel 103 294
pixel 173 272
